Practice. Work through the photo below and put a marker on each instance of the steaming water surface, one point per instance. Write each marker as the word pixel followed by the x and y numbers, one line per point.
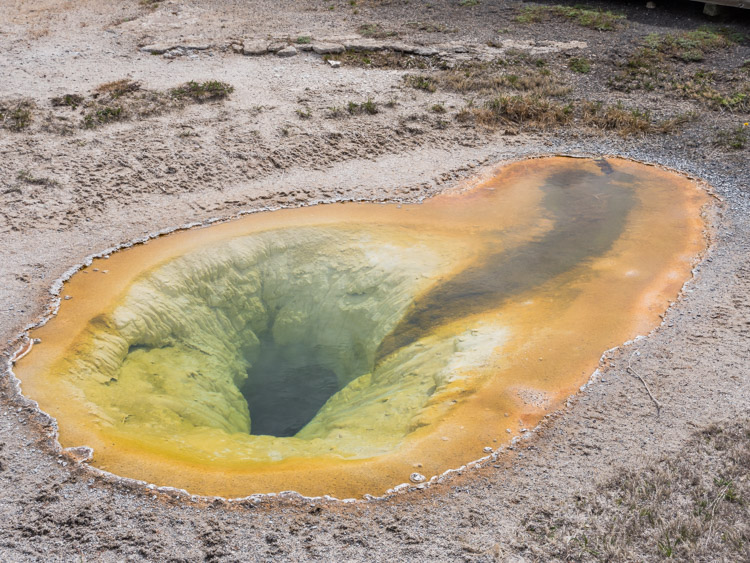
pixel 337 349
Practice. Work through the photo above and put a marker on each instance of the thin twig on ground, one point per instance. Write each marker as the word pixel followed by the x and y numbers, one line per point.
pixel 632 371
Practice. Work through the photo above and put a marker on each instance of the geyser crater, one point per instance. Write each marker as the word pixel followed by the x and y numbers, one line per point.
pixel 333 349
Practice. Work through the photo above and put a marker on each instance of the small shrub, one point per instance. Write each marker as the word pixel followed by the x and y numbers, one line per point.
pixel 203 91
pixel 368 106
pixel 421 82
pixel 106 114
pixel 437 108
pixel 68 100
pixel 468 3
pixel 17 117
pixel 580 65
pixel 304 113
pixel 304 40
pixel 335 112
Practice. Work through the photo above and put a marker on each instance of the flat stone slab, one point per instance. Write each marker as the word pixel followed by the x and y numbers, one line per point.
pixel 161 48
pixel 195 46
pixel 363 45
pixel 276 46
pixel 540 47
pixel 286 52
pixel 254 48
pixel 158 48
pixel 328 48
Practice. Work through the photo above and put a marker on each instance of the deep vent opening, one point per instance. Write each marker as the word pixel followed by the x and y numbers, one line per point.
pixel 286 387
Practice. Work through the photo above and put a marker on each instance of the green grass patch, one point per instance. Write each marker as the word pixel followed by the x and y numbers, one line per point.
pixel 689 46
pixel 734 139
pixel 597 19
pixel 580 65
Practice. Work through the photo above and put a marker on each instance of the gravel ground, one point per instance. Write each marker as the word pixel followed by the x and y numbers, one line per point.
pixel 68 191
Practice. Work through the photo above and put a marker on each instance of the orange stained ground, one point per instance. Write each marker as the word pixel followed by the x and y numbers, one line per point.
pixel 557 331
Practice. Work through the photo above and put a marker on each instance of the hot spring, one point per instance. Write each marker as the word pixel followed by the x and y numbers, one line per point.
pixel 337 349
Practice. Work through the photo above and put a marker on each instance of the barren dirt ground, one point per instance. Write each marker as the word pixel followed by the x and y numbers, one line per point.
pixel 426 94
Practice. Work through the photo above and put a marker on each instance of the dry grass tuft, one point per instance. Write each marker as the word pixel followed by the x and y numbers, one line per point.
pixel 385 60
pixel 499 77
pixel 691 506
pixel 662 63
pixel 616 118
pixel 118 88
pixel 521 110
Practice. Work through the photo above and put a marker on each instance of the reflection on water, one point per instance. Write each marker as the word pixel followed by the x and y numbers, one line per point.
pixel 588 213
pixel 334 349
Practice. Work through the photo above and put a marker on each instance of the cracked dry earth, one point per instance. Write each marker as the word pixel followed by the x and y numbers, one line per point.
pixel 67 191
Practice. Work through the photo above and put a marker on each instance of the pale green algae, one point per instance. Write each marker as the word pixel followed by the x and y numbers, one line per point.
pixel 166 365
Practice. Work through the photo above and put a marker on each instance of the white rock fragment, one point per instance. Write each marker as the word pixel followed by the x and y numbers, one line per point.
pixel 416 477
pixel 81 454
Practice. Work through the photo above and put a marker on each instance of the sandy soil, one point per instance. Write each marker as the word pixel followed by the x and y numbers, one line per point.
pixel 67 192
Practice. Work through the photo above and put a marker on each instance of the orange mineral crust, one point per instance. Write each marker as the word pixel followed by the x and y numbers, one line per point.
pixel 338 349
